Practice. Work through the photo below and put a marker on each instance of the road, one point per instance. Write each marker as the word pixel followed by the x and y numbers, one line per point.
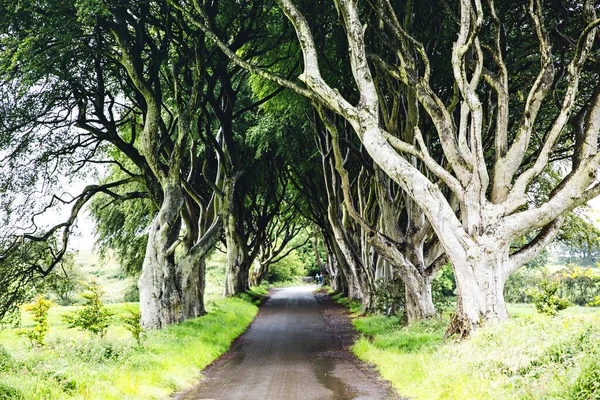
pixel 295 349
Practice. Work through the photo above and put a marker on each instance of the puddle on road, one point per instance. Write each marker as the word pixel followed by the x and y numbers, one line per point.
pixel 324 371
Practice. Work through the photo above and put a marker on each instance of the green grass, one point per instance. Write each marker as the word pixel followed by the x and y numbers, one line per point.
pixel 529 357
pixel 74 365
pixel 354 306
pixel 106 272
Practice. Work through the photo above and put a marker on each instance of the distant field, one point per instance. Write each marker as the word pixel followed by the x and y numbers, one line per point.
pixel 107 273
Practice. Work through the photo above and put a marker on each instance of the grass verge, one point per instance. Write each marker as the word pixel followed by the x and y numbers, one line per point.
pixel 528 357
pixel 74 365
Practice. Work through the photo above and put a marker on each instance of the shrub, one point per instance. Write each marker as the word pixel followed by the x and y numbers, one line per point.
pixel 579 285
pixel 10 393
pixel 6 361
pixel 545 298
pixel 520 284
pixel 39 310
pixel 132 323
pixel 443 286
pixel 132 294
pixel 93 316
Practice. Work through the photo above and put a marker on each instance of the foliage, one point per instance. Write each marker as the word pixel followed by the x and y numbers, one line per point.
pixel 579 285
pixel 132 293
pixel 122 228
pixel 7 363
pixel 39 310
pixel 63 282
pixel 93 317
pixel 19 280
pixel 443 287
pixel 538 262
pixel 286 269
pixel 390 297
pixel 579 237
pixel 520 283
pixel 10 392
pixel 546 299
pixel 75 366
pixel 11 319
pixel 132 322
pixel 445 282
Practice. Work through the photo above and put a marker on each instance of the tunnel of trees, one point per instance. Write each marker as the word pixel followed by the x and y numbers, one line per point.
pixel 402 136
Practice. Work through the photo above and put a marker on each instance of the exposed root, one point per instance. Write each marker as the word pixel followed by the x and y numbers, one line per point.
pixel 459 328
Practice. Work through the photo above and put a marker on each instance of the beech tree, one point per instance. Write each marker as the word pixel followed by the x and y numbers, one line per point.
pixel 491 188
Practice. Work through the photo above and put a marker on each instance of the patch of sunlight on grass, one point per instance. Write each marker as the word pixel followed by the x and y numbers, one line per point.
pixel 530 357
pixel 75 365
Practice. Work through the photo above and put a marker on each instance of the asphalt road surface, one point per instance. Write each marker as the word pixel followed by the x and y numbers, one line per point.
pixel 295 349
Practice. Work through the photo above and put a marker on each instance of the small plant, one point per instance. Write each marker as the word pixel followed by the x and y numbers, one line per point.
pixel 39 310
pixel 132 323
pixel 595 302
pixel 545 298
pixel 93 316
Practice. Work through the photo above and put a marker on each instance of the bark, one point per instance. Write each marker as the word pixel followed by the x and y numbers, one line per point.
pixel 480 287
pixel 237 261
pixel 172 290
pixel 419 301
pixel 259 272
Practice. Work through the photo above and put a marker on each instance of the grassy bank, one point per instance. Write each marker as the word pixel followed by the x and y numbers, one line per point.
pixel 528 357
pixel 74 365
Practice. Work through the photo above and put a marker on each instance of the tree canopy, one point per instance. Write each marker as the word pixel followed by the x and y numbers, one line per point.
pixel 406 135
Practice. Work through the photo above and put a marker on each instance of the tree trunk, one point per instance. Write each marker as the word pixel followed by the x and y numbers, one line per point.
pixel 169 292
pixel 259 272
pixel 193 280
pixel 237 263
pixel 480 294
pixel 419 301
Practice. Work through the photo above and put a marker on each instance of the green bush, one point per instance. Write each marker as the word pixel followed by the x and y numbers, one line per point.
pixel 520 283
pixel 39 311
pixel 6 361
pixel 132 322
pixel 443 286
pixel 545 298
pixel 132 294
pixel 93 316
pixel 579 285
pixel 10 393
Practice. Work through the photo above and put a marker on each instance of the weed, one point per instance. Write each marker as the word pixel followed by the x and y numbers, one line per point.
pixel 10 393
pixel 6 361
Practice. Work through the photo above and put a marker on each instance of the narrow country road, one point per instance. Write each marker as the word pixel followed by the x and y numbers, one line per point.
pixel 295 349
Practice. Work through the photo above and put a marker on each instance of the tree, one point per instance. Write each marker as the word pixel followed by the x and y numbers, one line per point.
pixel 136 87
pixel 93 317
pixel 490 188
